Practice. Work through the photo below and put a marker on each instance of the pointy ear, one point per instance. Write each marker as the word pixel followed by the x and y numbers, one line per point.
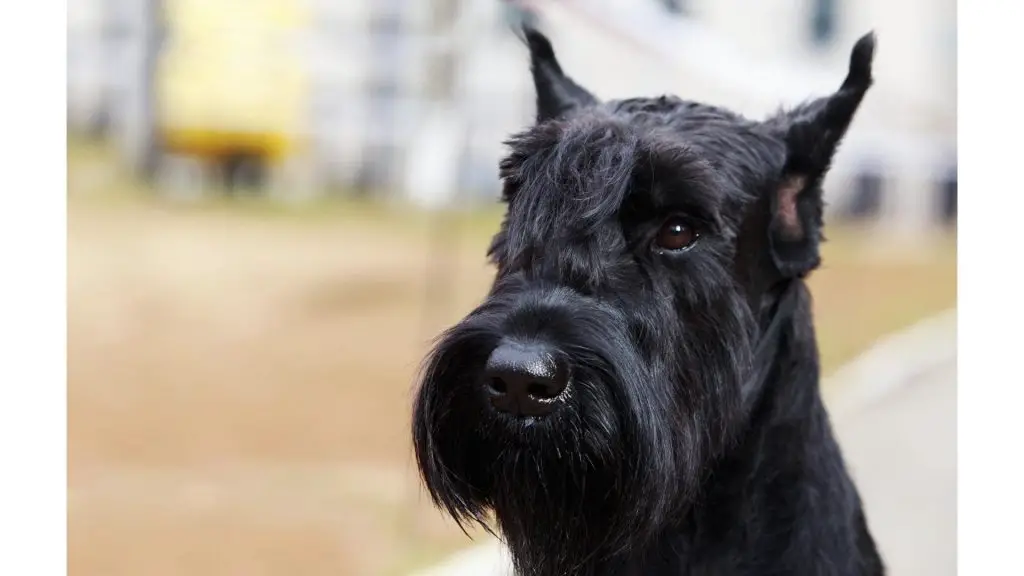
pixel 812 133
pixel 557 94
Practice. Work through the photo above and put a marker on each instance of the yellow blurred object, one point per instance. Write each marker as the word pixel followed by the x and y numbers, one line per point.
pixel 230 78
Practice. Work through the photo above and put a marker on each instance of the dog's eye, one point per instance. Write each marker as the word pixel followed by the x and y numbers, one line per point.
pixel 675 234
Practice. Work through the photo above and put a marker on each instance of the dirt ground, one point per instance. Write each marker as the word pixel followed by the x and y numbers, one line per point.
pixel 239 396
pixel 239 387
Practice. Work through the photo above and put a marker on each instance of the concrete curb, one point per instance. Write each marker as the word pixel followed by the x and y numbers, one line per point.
pixel 488 559
pixel 890 362
pixel 882 369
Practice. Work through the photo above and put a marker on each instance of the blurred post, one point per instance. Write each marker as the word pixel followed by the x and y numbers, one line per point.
pixel 443 226
pixel 153 38
pixel 133 33
pixel 388 53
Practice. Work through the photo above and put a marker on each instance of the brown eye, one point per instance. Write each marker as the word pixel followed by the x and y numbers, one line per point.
pixel 675 234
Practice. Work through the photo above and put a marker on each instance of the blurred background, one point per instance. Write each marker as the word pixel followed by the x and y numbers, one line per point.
pixel 274 205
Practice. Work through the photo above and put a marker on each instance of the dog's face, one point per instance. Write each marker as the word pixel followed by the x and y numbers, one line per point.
pixel 582 400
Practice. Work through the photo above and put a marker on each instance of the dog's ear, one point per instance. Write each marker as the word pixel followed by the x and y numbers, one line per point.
pixel 812 133
pixel 556 92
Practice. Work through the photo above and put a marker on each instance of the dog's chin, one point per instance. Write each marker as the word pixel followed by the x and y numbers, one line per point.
pixel 554 515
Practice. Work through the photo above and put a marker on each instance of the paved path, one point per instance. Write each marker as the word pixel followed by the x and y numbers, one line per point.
pixel 902 454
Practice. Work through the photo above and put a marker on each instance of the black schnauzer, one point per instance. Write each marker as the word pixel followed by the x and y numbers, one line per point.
pixel 638 394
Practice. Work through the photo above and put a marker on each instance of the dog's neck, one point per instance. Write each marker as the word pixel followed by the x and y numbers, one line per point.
pixel 780 312
pixel 781 497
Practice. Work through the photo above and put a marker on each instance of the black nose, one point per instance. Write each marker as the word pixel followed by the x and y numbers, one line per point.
pixel 525 379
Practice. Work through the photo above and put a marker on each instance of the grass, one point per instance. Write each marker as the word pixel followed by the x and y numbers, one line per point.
pixel 234 367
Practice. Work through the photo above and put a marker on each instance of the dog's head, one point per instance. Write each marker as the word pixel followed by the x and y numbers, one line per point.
pixel 644 244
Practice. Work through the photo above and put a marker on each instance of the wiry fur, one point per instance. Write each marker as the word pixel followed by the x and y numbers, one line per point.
pixel 694 440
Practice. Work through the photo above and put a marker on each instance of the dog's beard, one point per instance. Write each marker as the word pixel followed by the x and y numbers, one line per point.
pixel 557 515
pixel 588 485
pixel 605 474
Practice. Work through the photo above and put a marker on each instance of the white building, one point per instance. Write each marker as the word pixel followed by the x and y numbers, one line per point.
pixel 373 122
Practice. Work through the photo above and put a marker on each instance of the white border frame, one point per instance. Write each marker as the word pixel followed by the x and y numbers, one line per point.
pixel 990 399
pixel 33 295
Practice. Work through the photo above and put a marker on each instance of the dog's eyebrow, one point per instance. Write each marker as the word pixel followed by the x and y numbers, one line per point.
pixel 674 176
pixel 576 173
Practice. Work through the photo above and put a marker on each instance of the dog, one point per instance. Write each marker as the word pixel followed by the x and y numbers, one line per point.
pixel 638 393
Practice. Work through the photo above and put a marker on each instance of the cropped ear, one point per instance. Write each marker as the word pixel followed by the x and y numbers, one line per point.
pixel 557 94
pixel 812 133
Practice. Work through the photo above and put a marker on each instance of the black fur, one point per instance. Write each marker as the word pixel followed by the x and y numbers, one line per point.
pixel 694 440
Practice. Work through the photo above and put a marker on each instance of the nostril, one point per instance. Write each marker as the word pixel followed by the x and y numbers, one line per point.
pixel 498 385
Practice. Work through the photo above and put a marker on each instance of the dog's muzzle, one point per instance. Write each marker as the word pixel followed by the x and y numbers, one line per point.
pixel 525 379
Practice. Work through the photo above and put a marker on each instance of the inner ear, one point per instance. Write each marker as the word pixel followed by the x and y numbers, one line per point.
pixel 787 216
pixel 794 233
